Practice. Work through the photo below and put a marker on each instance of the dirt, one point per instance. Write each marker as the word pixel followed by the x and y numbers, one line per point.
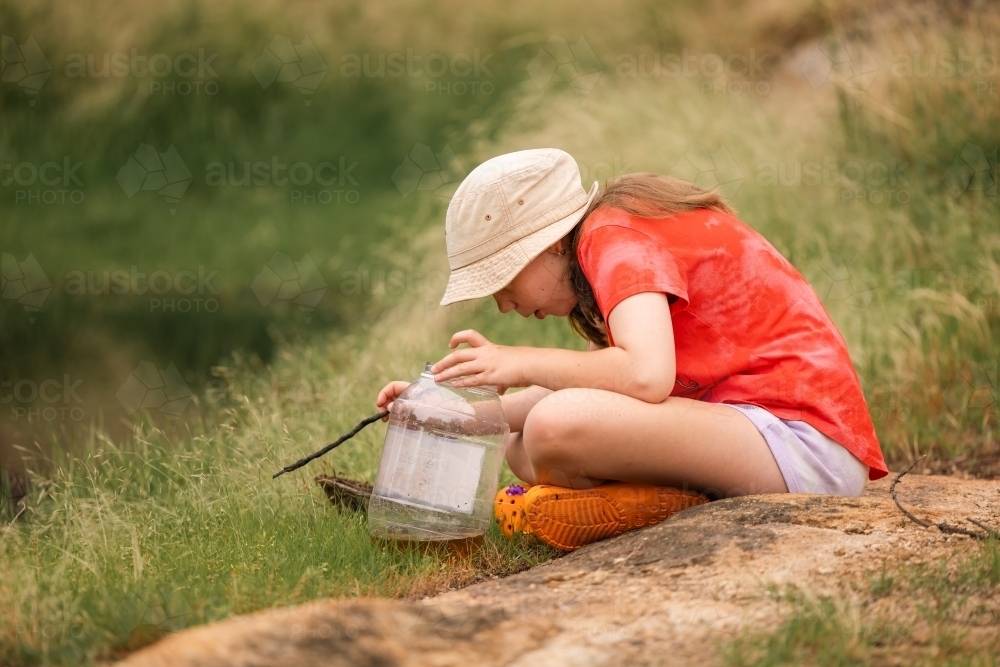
pixel 670 594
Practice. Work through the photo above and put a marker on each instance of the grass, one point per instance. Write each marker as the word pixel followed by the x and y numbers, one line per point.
pixel 909 276
pixel 940 614
pixel 184 525
pixel 142 526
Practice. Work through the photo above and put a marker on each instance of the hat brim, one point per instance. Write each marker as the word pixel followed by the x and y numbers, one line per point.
pixel 491 274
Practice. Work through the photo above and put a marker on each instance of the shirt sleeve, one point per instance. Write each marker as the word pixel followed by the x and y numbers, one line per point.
pixel 620 262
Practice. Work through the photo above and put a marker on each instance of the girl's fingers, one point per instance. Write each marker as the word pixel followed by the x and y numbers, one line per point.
pixel 472 380
pixel 458 370
pixel 389 393
pixel 457 357
pixel 448 374
pixel 470 336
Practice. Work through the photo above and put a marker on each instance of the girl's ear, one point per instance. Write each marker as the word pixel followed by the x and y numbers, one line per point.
pixel 558 248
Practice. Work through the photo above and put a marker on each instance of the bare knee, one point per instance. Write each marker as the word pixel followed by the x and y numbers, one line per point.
pixel 547 428
pixel 549 433
pixel 518 460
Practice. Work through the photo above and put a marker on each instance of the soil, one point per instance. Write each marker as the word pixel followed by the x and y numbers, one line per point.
pixel 669 594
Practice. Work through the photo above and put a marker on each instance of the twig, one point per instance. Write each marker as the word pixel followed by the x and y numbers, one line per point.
pixel 347 436
pixel 944 526
pixel 990 532
pixel 892 492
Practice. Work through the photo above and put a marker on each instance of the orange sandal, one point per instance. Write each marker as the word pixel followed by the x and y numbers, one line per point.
pixel 508 508
pixel 568 519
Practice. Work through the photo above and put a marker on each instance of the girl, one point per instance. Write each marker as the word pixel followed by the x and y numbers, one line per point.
pixel 713 368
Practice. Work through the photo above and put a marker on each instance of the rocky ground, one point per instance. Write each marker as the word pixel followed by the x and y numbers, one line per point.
pixel 670 594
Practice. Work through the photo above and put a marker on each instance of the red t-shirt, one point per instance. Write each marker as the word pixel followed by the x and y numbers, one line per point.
pixel 748 328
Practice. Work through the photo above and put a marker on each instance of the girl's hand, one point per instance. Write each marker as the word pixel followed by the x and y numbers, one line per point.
pixel 482 363
pixel 390 393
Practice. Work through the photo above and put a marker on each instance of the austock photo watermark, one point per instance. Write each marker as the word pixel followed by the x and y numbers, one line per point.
pixel 850 64
pixel 576 64
pixel 839 62
pixel 423 169
pixel 283 62
pixel 48 400
pixel 166 74
pixel 147 169
pixel 24 282
pixel 975 169
pixel 738 73
pixel 709 168
pixel 604 170
pixel 980 287
pixel 324 182
pixel 185 74
pixel 867 182
pixel 980 69
pixel 455 74
pixel 53 182
pixel 560 62
pixel 307 182
pixel 298 283
pixel 149 388
pixel 43 182
pixel 185 291
pixel 843 278
pixel 24 65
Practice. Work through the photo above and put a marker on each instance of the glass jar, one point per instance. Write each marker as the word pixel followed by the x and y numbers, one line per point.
pixel 440 464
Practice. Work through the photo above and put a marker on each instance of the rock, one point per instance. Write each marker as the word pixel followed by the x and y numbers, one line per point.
pixel 668 594
pixel 355 633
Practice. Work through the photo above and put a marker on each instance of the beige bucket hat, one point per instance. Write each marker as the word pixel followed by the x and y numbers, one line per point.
pixel 505 213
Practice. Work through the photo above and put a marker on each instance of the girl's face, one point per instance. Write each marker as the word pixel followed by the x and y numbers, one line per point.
pixel 542 288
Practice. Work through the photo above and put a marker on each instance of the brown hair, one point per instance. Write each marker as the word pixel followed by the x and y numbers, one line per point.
pixel 644 195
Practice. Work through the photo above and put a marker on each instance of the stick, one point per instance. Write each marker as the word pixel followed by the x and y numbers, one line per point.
pixel 944 526
pixel 892 492
pixel 347 436
pixel 990 532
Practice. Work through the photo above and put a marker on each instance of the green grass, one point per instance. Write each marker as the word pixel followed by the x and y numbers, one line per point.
pixel 184 525
pixel 940 614
pixel 141 527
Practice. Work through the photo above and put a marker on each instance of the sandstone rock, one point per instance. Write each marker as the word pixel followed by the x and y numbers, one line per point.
pixel 664 595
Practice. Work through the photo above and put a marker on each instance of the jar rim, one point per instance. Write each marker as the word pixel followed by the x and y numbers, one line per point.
pixel 482 388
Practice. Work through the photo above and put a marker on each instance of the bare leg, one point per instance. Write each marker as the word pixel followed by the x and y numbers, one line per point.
pixel 517 459
pixel 581 437
pixel 517 405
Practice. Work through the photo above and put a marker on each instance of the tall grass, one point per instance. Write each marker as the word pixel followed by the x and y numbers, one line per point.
pixel 128 537
pixel 181 526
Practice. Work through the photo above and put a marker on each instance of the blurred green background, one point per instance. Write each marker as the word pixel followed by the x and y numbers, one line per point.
pixel 860 138
pixel 183 75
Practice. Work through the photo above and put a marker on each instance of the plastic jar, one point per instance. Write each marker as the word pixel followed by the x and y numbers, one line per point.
pixel 440 464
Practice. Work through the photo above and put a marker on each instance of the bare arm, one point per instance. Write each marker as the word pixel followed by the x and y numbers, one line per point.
pixel 641 364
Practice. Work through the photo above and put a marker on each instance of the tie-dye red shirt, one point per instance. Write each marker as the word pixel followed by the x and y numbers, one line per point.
pixel 748 328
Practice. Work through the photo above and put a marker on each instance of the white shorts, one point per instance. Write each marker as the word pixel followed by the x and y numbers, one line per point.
pixel 809 461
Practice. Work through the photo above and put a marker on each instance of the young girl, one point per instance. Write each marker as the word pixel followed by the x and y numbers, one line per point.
pixel 713 368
